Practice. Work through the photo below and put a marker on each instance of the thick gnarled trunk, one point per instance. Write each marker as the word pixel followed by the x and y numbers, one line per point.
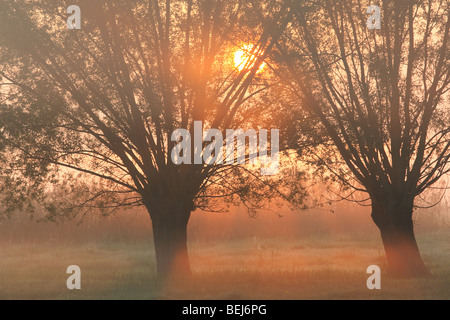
pixel 170 240
pixel 394 220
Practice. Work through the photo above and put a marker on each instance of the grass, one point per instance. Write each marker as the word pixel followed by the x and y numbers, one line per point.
pixel 287 269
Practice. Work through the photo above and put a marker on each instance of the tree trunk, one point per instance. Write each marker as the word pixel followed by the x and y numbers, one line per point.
pixel 170 240
pixel 395 223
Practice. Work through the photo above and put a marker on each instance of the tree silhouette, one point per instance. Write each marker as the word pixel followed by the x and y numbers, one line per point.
pixel 382 98
pixel 105 99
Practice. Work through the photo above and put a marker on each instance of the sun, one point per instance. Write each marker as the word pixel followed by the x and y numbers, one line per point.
pixel 244 56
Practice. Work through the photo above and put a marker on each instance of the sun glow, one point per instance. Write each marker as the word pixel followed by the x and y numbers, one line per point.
pixel 245 58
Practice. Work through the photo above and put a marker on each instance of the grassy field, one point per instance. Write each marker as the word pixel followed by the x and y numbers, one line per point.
pixel 246 268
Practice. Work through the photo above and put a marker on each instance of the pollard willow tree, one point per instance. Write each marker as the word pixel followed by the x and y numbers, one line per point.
pixel 382 97
pixel 105 99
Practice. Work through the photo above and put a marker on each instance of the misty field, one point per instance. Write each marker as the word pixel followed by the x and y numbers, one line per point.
pixel 250 264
